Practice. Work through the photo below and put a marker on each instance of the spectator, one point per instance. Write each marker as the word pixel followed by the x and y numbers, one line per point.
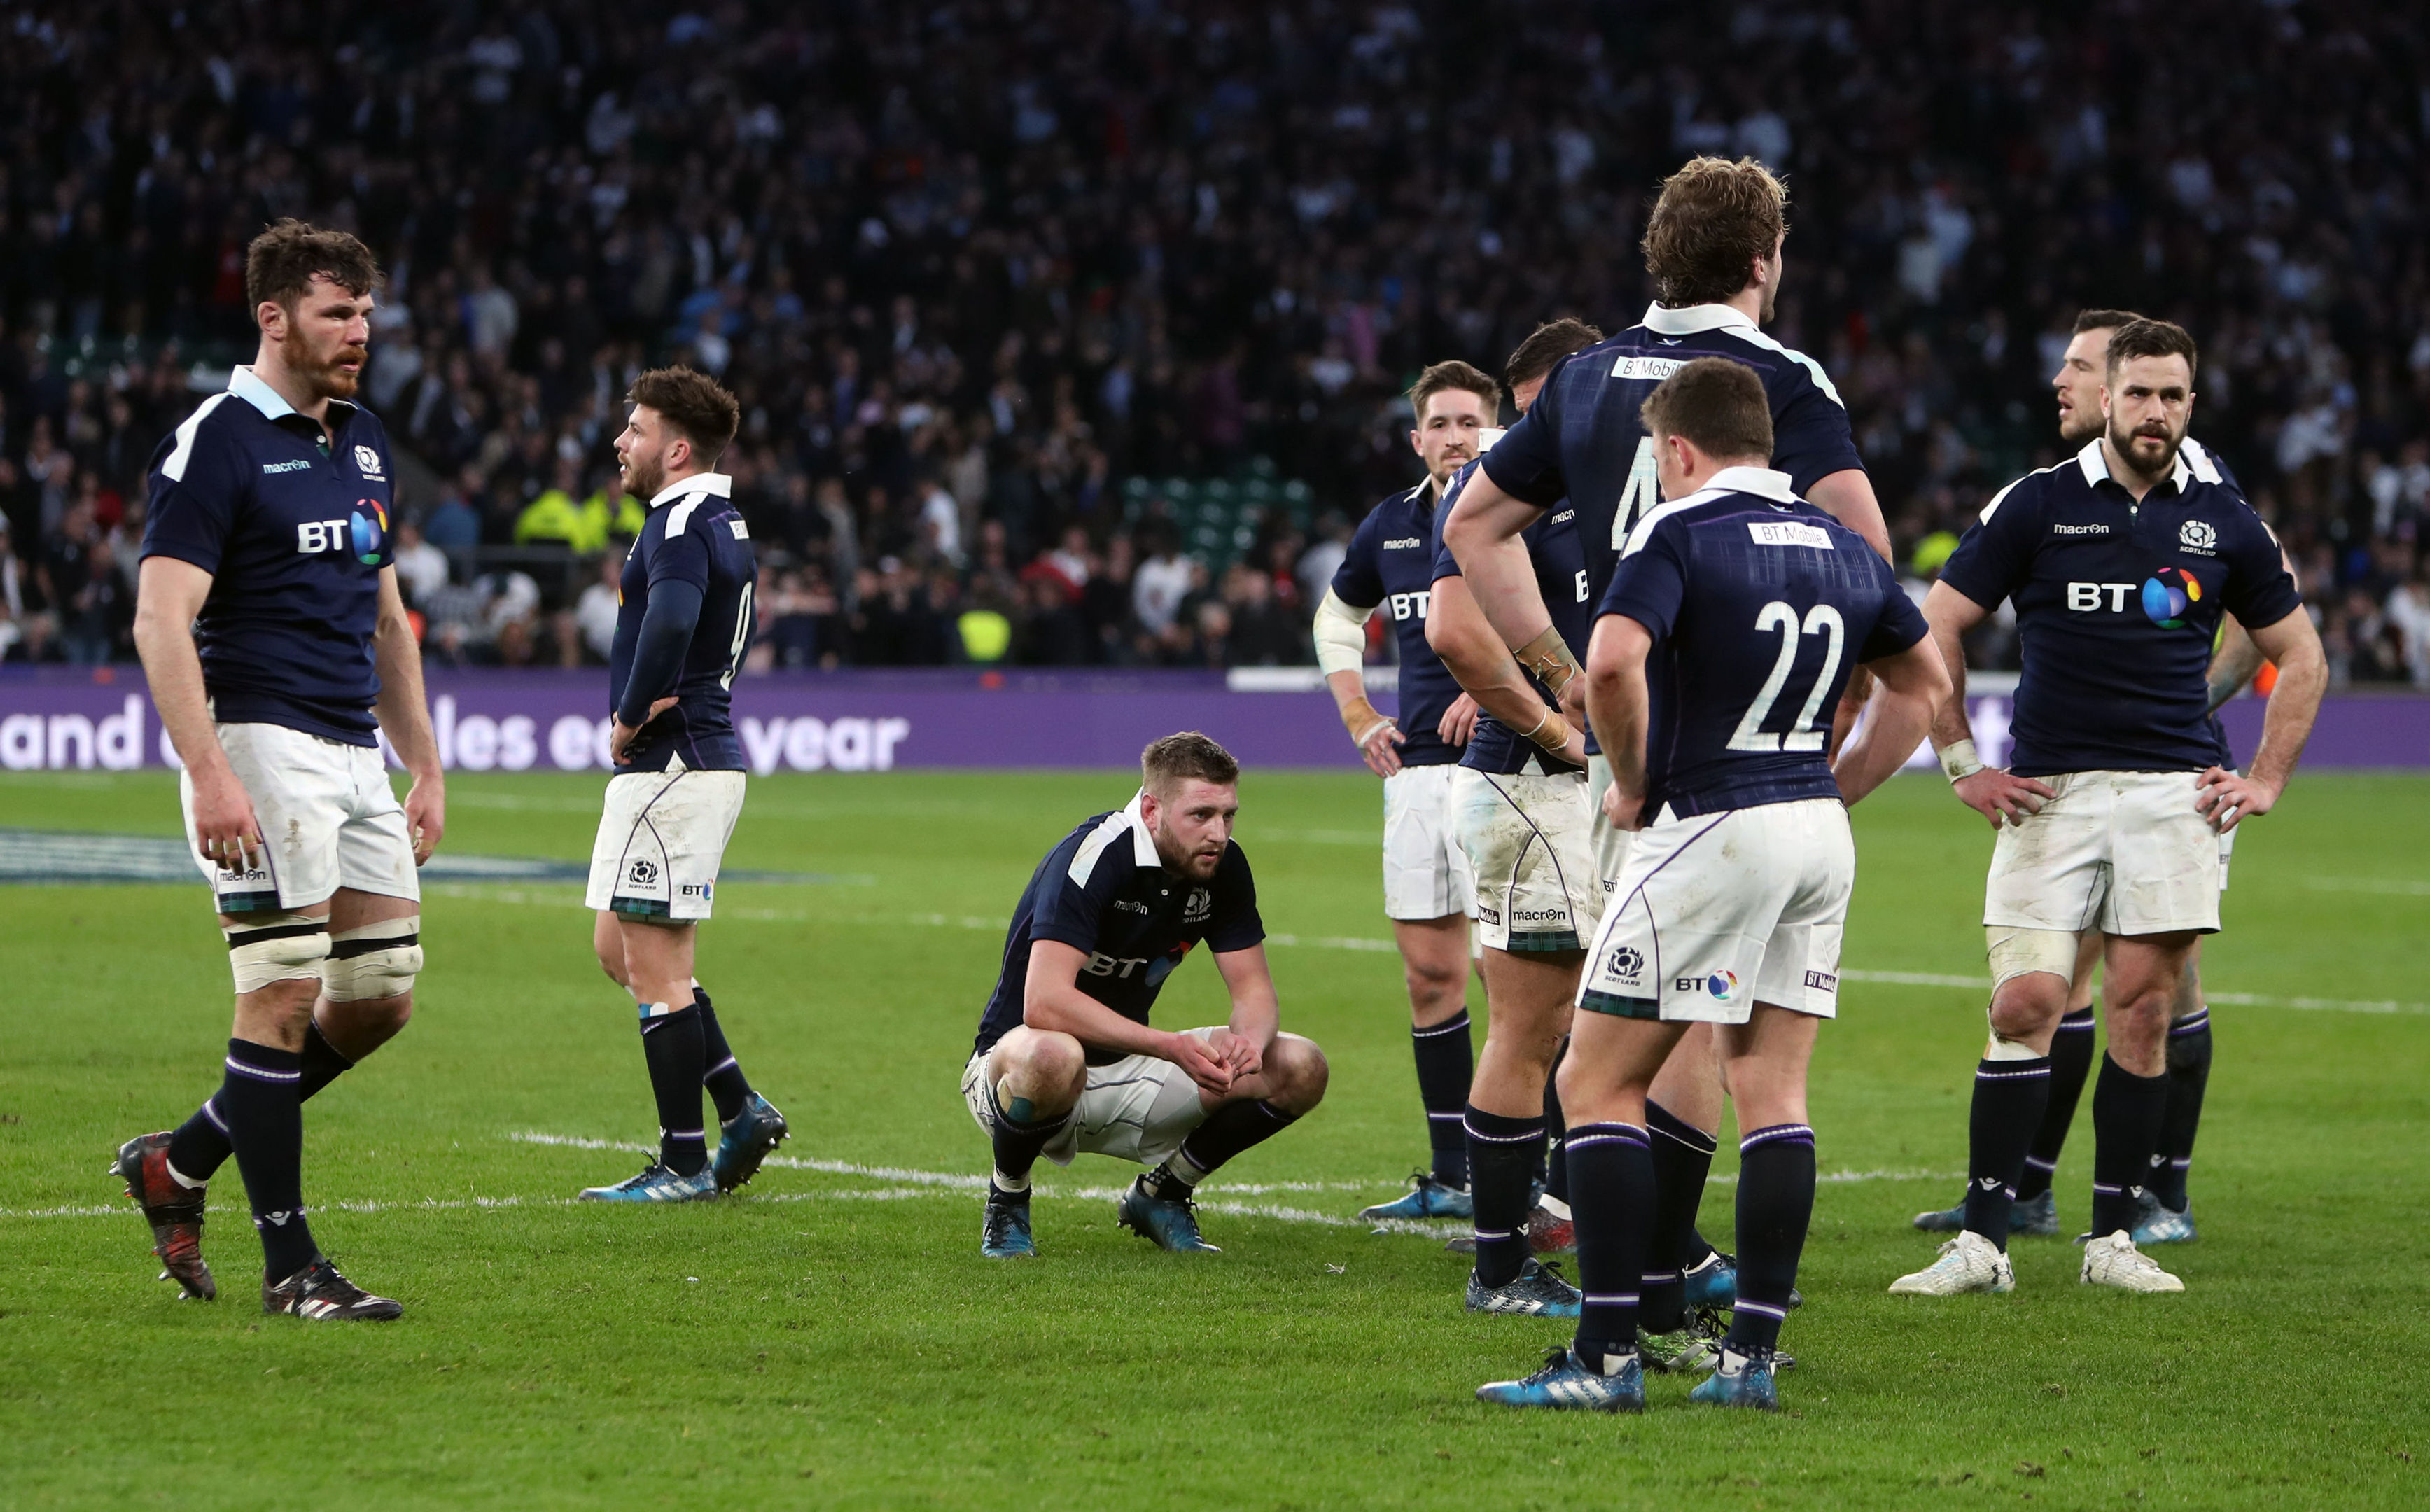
pixel 1262 632
pixel 454 525
pixel 1158 590
pixel 594 612
pixel 421 567
pixel 553 516
pixel 21 622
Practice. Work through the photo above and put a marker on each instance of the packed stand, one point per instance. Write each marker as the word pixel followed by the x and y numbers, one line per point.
pixel 1073 334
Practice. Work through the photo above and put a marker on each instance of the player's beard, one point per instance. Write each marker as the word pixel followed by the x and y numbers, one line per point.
pixel 2080 425
pixel 643 478
pixel 2124 444
pixel 330 380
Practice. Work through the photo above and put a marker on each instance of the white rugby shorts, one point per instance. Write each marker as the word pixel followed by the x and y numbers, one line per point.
pixel 1717 913
pixel 661 836
pixel 1525 837
pixel 1135 1108
pixel 1425 872
pixel 1608 844
pixel 329 820
pixel 2121 851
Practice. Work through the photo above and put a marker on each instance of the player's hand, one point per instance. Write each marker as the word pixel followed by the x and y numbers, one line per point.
pixel 2227 800
pixel 1377 746
pixel 1237 1052
pixel 1458 722
pixel 1998 795
pixel 1626 811
pixel 425 815
pixel 621 736
pixel 1193 1055
pixel 1574 750
pixel 225 832
pixel 1573 702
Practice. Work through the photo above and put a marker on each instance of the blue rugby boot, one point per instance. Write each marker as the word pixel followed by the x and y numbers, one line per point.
pixel 1740 1381
pixel 1713 1282
pixel 2028 1218
pixel 1003 1232
pixel 1168 1222
pixel 745 1139
pixel 1425 1198
pixel 1565 1383
pixel 2158 1223
pixel 1537 1291
pixel 657 1184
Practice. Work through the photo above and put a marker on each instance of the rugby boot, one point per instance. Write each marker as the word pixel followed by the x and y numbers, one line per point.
pixel 318 1294
pixel 2028 1217
pixel 1686 1348
pixel 1004 1230
pixel 1713 1282
pixel 654 1183
pixel 1740 1381
pixel 1716 1326
pixel 1969 1262
pixel 2158 1223
pixel 745 1139
pixel 1168 1222
pixel 2112 1261
pixel 1537 1291
pixel 173 1210
pixel 1547 1234
pixel 1564 1382
pixel 1425 1198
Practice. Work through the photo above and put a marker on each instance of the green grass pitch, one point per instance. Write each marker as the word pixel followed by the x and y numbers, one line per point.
pixel 833 1338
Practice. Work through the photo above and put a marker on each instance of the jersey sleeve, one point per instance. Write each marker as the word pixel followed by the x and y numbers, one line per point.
pixel 194 490
pixel 2261 592
pixel 1445 564
pixel 1898 625
pixel 1235 924
pixel 1359 581
pixel 1650 583
pixel 1811 437
pixel 1526 462
pixel 1991 561
pixel 1071 904
pixel 682 555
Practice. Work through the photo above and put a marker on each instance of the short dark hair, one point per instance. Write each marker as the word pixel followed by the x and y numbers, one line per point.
pixel 1715 403
pixel 695 406
pixel 1544 348
pixel 281 264
pixel 2149 338
pixel 1712 219
pixel 1455 376
pixel 2102 320
pixel 1176 757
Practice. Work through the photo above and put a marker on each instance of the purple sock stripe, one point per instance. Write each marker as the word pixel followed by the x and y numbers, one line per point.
pixel 682 1134
pixel 2079 1022
pixel 263 1073
pixel 1778 1134
pixel 1488 1235
pixel 2100 1190
pixel 1982 1075
pixel 1536 1132
pixel 1664 1279
pixel 2182 1163
pixel 2040 1163
pixel 1766 1308
pixel 1587 1136
pixel 213 1114
pixel 1611 1299
pixel 1454 1117
pixel 719 1067
pixel 1447 1026
pixel 1661 1121
pixel 2199 1019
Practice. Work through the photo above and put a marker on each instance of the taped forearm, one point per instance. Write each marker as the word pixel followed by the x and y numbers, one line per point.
pixel 1341 633
pixel 659 654
pixel 1550 658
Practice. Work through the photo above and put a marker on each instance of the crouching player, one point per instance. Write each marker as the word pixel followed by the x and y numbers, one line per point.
pixel 683 624
pixel 1732 624
pixel 1066 1061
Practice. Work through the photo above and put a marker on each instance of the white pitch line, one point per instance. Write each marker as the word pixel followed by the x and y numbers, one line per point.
pixel 2397 886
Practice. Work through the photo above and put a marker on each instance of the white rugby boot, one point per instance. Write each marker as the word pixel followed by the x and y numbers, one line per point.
pixel 2112 1261
pixel 1969 1262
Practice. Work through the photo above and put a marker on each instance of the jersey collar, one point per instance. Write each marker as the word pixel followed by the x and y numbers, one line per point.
pixel 1143 853
pixel 1761 481
pixel 711 483
pixel 2095 467
pixel 253 391
pixel 1694 318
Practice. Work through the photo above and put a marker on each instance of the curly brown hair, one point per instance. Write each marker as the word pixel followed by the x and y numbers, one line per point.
pixel 281 264
pixel 1544 347
pixel 694 406
pixel 1713 219
pixel 1718 405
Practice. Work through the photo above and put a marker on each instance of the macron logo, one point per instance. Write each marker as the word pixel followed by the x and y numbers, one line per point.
pixel 1405 544
pixel 297 465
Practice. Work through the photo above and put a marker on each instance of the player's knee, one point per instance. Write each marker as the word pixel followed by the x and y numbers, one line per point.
pixel 1043 1063
pixel 1296 1074
pixel 275 947
pixel 374 962
pixel 1431 984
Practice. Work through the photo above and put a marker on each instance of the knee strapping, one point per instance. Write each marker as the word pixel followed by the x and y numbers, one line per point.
pixel 376 961
pixel 2015 951
pixel 279 947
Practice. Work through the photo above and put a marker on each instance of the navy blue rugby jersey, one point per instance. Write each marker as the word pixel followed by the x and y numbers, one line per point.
pixel 1559 561
pixel 1760 605
pixel 1102 889
pixel 294 540
pixel 1581 440
pixel 694 534
pixel 1390 567
pixel 2118 606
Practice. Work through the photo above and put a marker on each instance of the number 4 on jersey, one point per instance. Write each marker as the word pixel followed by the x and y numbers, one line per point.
pixel 1803 734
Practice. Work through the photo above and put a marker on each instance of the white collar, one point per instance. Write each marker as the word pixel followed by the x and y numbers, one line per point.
pixel 712 483
pixel 1144 850
pixel 2095 464
pixel 1760 481
pixel 1694 317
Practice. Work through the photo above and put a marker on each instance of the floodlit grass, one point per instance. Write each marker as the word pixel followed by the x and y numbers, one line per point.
pixel 833 1338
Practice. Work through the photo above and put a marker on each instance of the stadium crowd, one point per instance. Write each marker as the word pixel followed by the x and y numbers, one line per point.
pixel 986 276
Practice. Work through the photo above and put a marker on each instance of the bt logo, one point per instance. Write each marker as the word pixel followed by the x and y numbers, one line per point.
pixel 1404 605
pixel 1101 964
pixel 2085 598
pixel 360 533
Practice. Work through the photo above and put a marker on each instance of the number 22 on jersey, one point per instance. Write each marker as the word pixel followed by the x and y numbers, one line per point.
pixel 1803 734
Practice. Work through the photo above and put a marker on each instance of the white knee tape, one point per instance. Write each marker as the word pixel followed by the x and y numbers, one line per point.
pixel 2015 951
pixel 376 961
pixel 278 947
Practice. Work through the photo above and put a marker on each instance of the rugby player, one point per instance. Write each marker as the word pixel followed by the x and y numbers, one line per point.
pixel 2120 562
pixel 1066 1060
pixel 277 651
pixel 1426 887
pixel 684 622
pixel 1734 620
pixel 2167 1217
